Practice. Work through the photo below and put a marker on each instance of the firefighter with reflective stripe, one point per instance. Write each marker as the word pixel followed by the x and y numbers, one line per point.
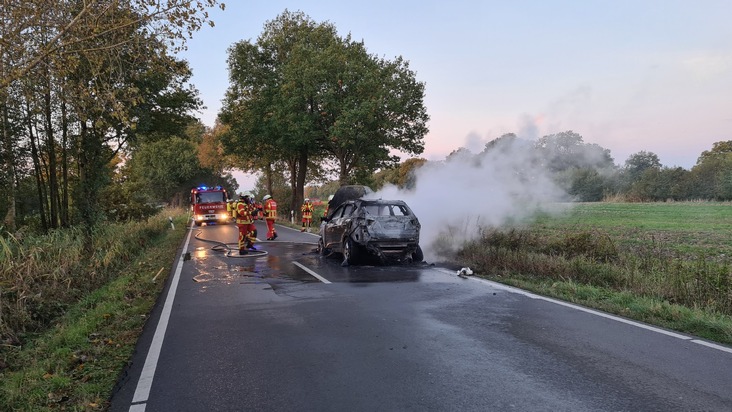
pixel 307 214
pixel 245 213
pixel 270 216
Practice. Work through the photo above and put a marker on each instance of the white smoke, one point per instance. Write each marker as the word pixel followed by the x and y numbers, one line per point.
pixel 455 198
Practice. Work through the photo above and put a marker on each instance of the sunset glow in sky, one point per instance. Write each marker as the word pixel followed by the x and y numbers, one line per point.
pixel 653 75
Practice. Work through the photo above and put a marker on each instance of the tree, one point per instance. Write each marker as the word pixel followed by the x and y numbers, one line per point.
pixel 211 151
pixel 719 149
pixel 366 109
pixel 586 185
pixel 169 165
pixel 259 137
pixel 74 27
pixel 567 150
pixel 80 77
pixel 403 176
pixel 711 176
pixel 304 96
pixel 639 162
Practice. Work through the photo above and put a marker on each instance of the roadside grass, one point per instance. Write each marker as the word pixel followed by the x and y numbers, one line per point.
pixel 668 264
pixel 74 362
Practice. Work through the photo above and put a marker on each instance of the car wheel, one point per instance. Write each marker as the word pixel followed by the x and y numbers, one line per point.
pixel 350 252
pixel 418 255
pixel 198 223
pixel 322 250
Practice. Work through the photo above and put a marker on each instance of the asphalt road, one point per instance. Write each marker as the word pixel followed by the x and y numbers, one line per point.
pixel 292 331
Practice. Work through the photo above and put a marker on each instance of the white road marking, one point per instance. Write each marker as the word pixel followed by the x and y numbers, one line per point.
pixel 142 392
pixel 712 345
pixel 591 311
pixel 303 267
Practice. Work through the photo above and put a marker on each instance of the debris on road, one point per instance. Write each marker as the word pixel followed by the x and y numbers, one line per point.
pixel 464 273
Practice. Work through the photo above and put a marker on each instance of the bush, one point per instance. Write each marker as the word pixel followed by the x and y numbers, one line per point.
pixel 41 275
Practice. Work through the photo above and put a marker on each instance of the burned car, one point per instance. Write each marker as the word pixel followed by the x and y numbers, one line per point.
pixel 385 229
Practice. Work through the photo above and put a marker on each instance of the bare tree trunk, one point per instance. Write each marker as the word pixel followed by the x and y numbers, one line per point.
pixel 9 152
pixel 268 177
pixel 64 166
pixel 91 175
pixel 51 148
pixel 298 194
pixel 38 170
pixel 294 205
pixel 9 219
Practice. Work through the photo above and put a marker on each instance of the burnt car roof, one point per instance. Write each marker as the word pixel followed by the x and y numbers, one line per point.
pixel 379 204
pixel 346 193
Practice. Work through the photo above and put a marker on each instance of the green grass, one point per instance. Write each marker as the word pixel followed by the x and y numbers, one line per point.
pixel 686 227
pixel 668 264
pixel 74 364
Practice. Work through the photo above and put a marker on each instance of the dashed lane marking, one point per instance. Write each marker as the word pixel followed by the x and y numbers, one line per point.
pixel 305 268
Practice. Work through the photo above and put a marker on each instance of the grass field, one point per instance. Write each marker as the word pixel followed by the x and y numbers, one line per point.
pixel 669 264
pixel 689 228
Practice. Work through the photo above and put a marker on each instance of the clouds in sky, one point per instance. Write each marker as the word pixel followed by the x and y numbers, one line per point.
pixel 653 75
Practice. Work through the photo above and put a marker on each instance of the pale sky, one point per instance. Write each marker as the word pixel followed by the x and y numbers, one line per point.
pixel 653 75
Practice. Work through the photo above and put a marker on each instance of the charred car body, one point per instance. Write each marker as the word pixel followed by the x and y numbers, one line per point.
pixel 386 229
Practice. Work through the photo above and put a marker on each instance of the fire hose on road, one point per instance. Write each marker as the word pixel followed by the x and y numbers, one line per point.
pixel 226 247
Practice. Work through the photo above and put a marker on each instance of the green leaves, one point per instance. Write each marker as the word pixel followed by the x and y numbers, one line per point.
pixel 303 89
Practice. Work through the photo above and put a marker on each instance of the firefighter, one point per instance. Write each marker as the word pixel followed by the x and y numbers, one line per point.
pixel 307 214
pixel 270 216
pixel 245 213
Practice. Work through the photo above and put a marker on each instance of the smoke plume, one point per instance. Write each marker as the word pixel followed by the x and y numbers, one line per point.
pixel 455 198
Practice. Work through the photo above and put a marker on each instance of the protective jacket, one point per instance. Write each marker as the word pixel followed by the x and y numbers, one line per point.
pixel 270 209
pixel 307 210
pixel 244 213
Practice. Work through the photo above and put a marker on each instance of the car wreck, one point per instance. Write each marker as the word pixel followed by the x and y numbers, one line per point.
pixel 361 228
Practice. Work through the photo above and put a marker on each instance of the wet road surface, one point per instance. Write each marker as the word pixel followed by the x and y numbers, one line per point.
pixel 291 330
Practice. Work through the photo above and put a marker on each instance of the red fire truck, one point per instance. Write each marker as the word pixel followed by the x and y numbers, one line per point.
pixel 208 204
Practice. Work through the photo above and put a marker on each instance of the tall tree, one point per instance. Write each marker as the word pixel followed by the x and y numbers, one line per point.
pixel 637 163
pixel 366 108
pixel 265 107
pixel 711 177
pixel 74 26
pixel 85 73
pixel 303 95
pixel 719 149
pixel 567 150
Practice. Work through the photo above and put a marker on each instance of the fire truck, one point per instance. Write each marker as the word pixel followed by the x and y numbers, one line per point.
pixel 208 205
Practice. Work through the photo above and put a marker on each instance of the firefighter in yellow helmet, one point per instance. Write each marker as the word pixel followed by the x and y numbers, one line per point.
pixel 245 212
pixel 307 214
pixel 270 216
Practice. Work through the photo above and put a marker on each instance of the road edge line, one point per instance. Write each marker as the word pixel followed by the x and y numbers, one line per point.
pixel 144 383
pixel 531 295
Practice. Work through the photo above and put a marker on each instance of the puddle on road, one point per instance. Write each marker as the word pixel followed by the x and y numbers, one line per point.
pixel 272 271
